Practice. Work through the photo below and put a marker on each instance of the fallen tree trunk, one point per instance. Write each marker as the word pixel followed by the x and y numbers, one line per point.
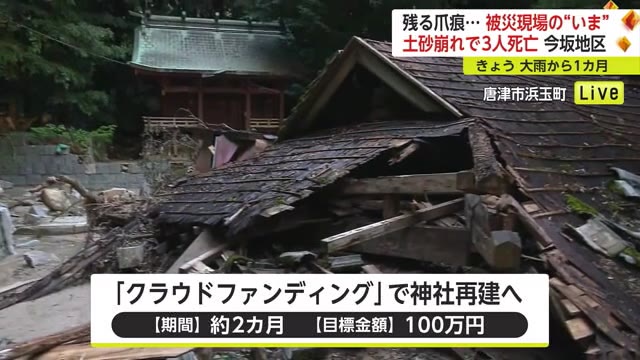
pixel 71 271
pixel 45 343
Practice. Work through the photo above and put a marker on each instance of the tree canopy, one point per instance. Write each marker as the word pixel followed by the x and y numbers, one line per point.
pixel 68 57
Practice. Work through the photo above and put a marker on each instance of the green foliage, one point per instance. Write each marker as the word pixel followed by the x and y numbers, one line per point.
pixel 80 141
pixel 50 50
pixel 579 207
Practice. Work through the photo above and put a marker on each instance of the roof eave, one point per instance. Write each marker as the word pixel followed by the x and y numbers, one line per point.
pixel 211 72
pixel 357 51
pixel 447 105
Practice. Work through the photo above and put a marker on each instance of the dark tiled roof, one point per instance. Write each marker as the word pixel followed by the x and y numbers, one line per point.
pixel 552 148
pixel 287 172
pixel 204 46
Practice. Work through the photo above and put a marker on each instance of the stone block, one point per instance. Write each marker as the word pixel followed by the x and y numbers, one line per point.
pixel 65 225
pixel 102 168
pixel 79 168
pixel 65 167
pixel 90 168
pixel 47 149
pixel 111 180
pixel 31 151
pixel 35 219
pixel 134 168
pixel 81 177
pixel 38 167
pixel 50 165
pixel 35 179
pixel 24 169
pixel 27 244
pixel 504 249
pixel 17 180
pixel 18 138
pixel 36 258
pixel 6 184
pixel 95 182
pixel 130 256
pixel 6 232
pixel 115 168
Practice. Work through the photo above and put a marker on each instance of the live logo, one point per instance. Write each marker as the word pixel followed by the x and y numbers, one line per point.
pixel 599 92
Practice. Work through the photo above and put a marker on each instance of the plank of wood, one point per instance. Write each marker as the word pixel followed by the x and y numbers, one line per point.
pixel 375 230
pixel 530 207
pixel 570 308
pixel 371 269
pixel 200 249
pixel 199 267
pixel 404 153
pixel 16 286
pixel 443 183
pixel 580 330
pixel 314 266
pixel 390 207
pixel 203 257
pixel 489 175
pixel 597 315
pixel 42 344
pixel 451 246
pixel 531 225
pixel 86 352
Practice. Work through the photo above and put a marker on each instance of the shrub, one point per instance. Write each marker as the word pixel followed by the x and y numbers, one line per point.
pixel 80 141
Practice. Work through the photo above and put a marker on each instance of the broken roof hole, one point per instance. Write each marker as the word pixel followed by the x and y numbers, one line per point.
pixel 431 155
pixel 362 95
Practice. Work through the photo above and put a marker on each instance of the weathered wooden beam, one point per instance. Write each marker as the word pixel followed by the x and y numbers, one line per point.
pixel 538 233
pixel 217 90
pixel 597 315
pixel 86 352
pixel 345 263
pixel 490 177
pixel 371 269
pixel 44 343
pixel 433 244
pixel 443 183
pixel 390 207
pixel 375 230
pixel 500 249
pixel 203 247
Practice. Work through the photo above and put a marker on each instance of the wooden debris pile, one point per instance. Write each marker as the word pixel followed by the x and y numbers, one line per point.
pixel 367 219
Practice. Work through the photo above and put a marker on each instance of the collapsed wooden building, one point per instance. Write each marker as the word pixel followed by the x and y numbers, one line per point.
pixel 384 155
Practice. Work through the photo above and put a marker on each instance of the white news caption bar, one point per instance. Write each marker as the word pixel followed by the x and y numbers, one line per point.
pixel 378 309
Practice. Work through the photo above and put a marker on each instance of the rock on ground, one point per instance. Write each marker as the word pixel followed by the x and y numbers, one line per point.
pixel 55 199
pixel 36 258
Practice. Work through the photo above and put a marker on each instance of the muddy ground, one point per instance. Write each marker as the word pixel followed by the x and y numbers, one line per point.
pixel 14 269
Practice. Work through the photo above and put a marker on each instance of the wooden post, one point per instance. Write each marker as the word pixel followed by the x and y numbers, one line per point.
pixel 164 83
pixel 200 101
pixel 281 106
pixel 247 121
pixel 390 206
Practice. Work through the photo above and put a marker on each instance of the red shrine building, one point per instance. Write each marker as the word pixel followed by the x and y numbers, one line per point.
pixel 219 71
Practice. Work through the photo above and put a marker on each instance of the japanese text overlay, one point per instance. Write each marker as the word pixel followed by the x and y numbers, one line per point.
pixel 536 42
pixel 345 310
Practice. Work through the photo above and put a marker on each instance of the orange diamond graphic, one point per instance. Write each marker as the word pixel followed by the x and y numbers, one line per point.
pixel 624 43
pixel 631 19
pixel 610 6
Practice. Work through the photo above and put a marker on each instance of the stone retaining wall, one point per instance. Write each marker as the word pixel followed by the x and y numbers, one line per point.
pixel 28 165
